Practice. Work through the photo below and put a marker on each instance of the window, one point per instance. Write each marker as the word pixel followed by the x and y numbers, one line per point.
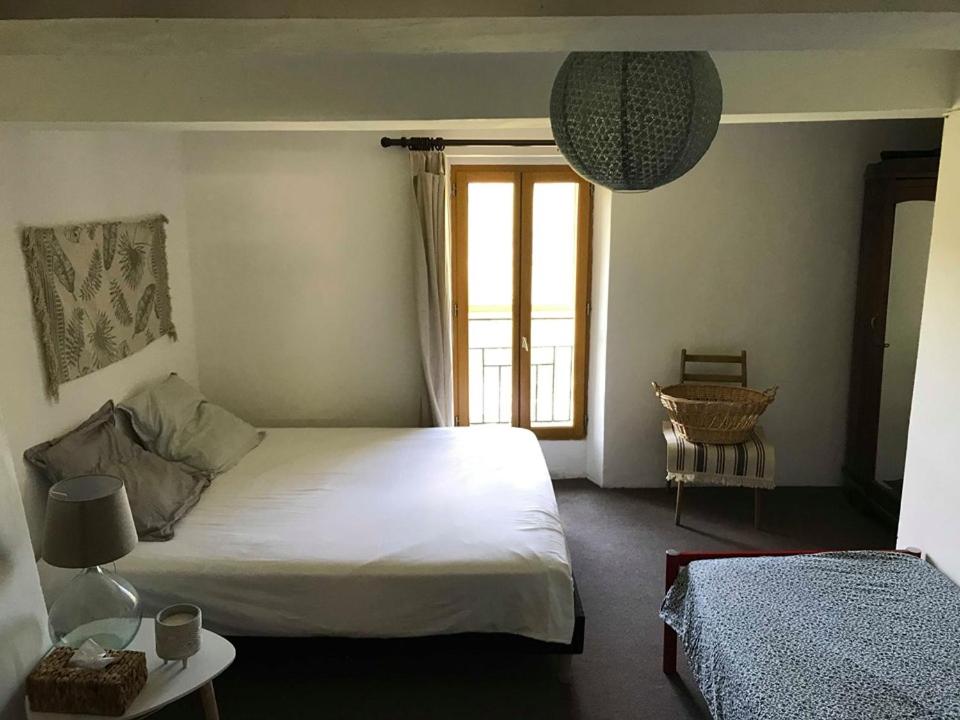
pixel 521 284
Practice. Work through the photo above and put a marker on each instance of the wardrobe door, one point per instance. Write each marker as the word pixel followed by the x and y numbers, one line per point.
pixel 866 372
pixel 888 184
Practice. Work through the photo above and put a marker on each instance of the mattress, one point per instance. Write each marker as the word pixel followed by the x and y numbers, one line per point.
pixel 372 533
pixel 832 635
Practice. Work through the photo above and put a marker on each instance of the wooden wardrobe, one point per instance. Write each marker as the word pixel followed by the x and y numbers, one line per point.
pixel 898 177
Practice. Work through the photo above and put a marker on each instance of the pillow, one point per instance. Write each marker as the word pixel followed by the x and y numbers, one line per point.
pixel 175 421
pixel 160 492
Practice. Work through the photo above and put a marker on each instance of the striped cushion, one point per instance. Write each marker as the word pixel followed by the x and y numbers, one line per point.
pixel 748 464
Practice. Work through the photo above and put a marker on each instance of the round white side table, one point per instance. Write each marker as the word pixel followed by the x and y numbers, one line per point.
pixel 168 682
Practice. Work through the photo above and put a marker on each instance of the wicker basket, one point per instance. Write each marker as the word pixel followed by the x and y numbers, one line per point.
pixel 55 687
pixel 720 414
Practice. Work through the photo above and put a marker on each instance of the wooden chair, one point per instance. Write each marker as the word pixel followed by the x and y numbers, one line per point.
pixel 740 378
pixel 714 377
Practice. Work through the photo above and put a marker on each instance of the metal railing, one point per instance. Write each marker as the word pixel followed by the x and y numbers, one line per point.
pixel 557 407
pixel 491 372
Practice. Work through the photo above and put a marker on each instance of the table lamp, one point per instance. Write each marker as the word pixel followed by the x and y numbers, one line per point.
pixel 88 525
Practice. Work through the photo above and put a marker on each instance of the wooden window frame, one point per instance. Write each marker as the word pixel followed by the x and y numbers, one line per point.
pixel 523 178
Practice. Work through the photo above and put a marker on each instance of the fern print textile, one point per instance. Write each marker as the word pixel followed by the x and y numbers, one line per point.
pixel 100 293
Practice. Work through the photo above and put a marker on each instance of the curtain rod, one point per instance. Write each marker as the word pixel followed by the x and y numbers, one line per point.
pixel 438 143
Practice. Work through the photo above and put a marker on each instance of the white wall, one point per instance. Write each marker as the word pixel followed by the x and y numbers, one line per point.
pixel 280 231
pixel 23 620
pixel 597 380
pixel 565 458
pixel 908 273
pixel 57 177
pixel 755 248
pixel 930 511
pixel 302 253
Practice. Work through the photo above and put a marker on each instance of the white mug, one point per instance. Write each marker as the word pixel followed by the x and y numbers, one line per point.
pixel 178 632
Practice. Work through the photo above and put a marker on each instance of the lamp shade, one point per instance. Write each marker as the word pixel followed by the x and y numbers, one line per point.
pixel 88 522
pixel 635 120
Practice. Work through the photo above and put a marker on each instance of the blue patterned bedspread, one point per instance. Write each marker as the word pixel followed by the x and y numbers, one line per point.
pixel 846 635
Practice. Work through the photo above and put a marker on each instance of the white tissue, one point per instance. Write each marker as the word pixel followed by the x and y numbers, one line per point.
pixel 90 656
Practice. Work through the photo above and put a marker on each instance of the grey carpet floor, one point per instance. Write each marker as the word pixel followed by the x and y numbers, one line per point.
pixel 617 542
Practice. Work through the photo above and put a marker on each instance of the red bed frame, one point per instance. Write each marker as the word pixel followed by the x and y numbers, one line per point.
pixel 677 560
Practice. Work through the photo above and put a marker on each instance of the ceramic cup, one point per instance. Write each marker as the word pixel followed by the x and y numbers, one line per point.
pixel 178 632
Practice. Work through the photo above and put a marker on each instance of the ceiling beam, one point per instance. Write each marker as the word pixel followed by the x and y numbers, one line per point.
pixel 772 31
pixel 370 9
pixel 412 90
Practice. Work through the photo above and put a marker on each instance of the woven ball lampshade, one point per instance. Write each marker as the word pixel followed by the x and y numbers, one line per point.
pixel 635 120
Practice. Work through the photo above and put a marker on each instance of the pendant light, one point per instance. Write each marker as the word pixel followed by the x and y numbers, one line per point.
pixel 635 120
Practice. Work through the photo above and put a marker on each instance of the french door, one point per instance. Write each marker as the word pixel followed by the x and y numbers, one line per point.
pixel 521 288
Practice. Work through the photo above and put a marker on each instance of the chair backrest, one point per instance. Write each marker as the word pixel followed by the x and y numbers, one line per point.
pixel 712 377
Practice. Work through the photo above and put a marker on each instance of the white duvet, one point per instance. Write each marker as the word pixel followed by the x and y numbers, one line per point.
pixel 372 533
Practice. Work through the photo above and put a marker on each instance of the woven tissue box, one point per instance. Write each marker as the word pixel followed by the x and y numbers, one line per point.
pixel 54 686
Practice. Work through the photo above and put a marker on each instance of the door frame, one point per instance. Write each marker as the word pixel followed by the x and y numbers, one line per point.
pixel 523 177
pixel 462 175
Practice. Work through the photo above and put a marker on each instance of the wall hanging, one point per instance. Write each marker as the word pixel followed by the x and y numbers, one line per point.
pixel 635 120
pixel 100 293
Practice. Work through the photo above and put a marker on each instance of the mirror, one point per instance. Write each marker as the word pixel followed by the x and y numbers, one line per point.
pixel 908 272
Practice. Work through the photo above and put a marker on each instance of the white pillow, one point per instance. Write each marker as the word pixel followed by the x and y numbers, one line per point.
pixel 177 423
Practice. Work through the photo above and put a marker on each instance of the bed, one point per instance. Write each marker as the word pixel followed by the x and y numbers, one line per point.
pixel 373 533
pixel 826 635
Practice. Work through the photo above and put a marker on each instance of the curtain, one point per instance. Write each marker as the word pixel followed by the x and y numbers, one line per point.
pixel 432 277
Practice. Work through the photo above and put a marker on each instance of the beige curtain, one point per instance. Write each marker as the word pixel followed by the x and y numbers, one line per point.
pixel 432 277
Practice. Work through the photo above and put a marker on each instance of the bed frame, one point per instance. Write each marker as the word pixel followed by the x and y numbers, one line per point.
pixel 461 643
pixel 677 560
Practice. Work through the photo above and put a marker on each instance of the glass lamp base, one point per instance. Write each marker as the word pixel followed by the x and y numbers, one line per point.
pixel 98 605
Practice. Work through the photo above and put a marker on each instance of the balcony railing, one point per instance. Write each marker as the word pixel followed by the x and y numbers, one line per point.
pixel 551 371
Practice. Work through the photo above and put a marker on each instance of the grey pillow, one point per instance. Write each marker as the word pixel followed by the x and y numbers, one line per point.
pixel 160 492
pixel 175 421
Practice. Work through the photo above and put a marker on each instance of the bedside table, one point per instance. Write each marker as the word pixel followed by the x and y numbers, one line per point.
pixel 170 682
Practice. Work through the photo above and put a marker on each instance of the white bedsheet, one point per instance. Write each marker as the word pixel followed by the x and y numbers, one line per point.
pixel 372 533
